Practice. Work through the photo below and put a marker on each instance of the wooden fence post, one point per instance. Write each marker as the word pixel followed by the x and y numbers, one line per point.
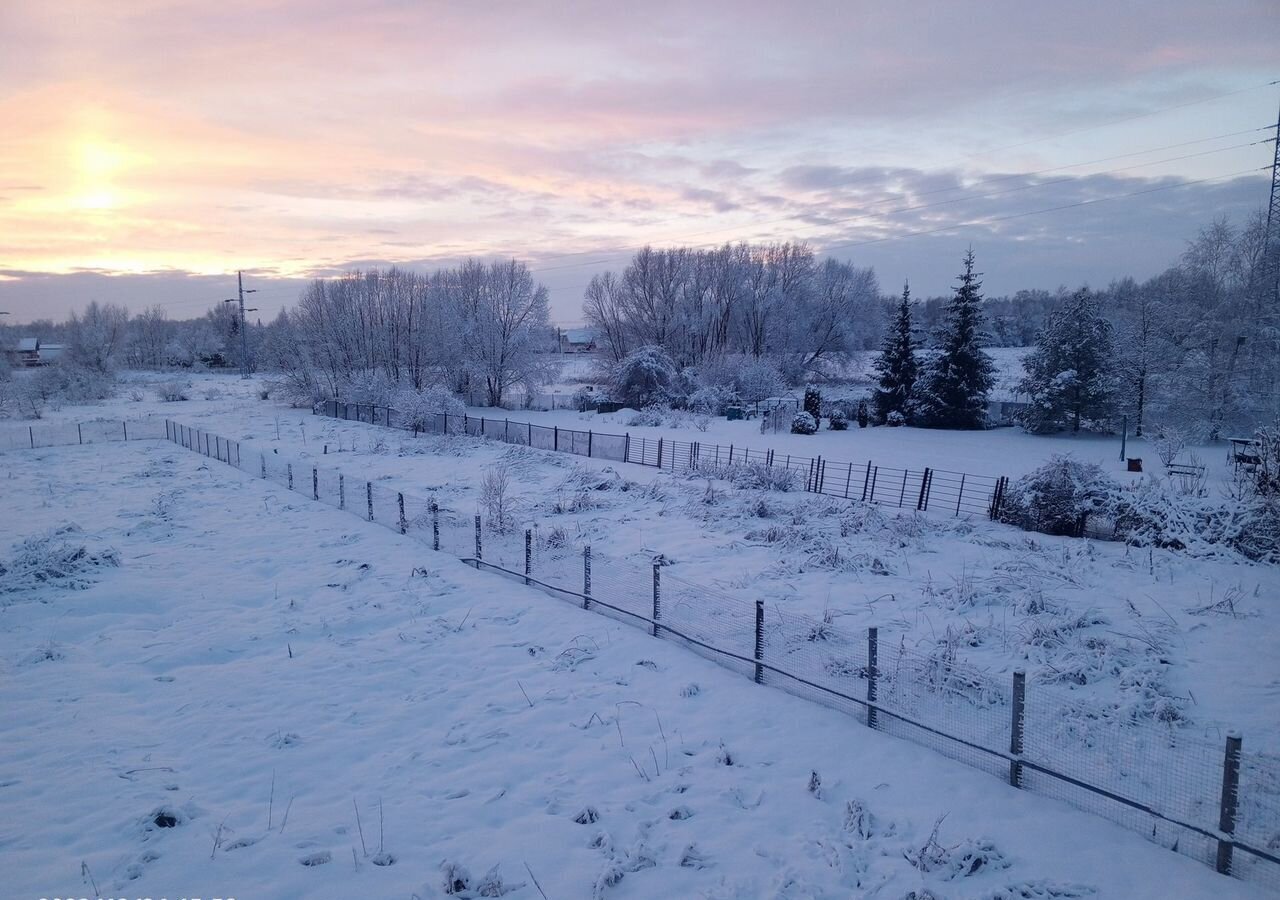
pixel 873 673
pixel 290 466
pixel 479 545
pixel 1229 801
pixel 435 525
pixel 657 596
pixel 400 503
pixel 528 554
pixel 342 491
pixel 586 577
pixel 315 483
pixel 759 645
pixel 659 453
pixel 1017 726
pixel 368 496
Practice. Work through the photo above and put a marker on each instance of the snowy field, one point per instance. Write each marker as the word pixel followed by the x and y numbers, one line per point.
pixel 237 692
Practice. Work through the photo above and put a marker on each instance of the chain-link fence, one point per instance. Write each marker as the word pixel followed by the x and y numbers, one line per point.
pixel 98 431
pixel 1216 802
pixel 927 489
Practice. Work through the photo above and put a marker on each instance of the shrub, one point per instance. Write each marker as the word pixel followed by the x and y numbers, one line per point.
pixel 837 421
pixel 643 377
pixel 863 415
pixel 758 379
pixel 711 400
pixel 651 416
pixel 375 388
pixel 174 391
pixel 804 423
pixel 813 403
pixel 584 399
pixel 418 409
pixel 1055 498
pixel 895 419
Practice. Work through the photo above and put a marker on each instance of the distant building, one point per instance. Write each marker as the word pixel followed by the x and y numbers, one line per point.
pixel 577 340
pixel 33 352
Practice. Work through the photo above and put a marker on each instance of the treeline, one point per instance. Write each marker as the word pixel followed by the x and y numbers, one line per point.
pixel 475 328
pixel 1196 348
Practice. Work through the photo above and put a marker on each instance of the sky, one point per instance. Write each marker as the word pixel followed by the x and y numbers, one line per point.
pixel 150 149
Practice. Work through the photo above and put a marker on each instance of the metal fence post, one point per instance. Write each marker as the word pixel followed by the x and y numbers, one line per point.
pixel 590 441
pixel 873 673
pixel 290 466
pixel 586 577
pixel 875 473
pixel 759 647
pixel 657 596
pixel 960 496
pixel 1017 726
pixel 435 526
pixel 866 480
pixel 315 483
pixel 400 503
pixel 368 496
pixel 528 554
pixel 479 545
pixel 1229 802
pixel 924 483
pixel 79 433
pixel 125 426
pixel 342 491
pixel 556 440
pixel 31 433
pixel 263 458
pixel 659 453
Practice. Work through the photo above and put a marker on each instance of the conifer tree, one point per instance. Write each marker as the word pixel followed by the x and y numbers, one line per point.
pixel 1069 375
pixel 953 391
pixel 896 365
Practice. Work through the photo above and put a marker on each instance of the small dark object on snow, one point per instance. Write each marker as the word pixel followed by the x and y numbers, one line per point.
pixel 164 820
pixel 1135 464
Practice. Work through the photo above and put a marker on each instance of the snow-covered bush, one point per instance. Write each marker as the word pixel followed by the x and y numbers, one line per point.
pixel 804 423
pixel 813 402
pixel 59 558
pixel 418 409
pixel 584 399
pixel 651 416
pixel 375 388
pixel 837 421
pixel 758 379
pixel 1056 498
pixel 1169 441
pixel 643 377
pixel 494 498
pixel 755 476
pixel 711 400
pixel 174 390
pixel 895 419
pixel 864 415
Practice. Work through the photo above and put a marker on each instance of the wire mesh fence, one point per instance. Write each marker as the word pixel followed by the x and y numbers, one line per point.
pixel 927 489
pixel 1215 802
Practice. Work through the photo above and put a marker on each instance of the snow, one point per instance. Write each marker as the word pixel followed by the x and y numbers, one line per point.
pixel 256 656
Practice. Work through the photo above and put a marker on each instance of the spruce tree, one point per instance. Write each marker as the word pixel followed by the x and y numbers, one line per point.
pixel 896 365
pixel 953 391
pixel 1069 374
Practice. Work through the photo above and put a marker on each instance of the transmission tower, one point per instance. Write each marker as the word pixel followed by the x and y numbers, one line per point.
pixel 1271 239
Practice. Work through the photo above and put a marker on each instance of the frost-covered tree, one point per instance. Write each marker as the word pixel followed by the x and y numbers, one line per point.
pixel 98 337
pixel 758 379
pixel 505 322
pixel 1070 373
pixel 896 365
pixel 952 392
pixel 643 377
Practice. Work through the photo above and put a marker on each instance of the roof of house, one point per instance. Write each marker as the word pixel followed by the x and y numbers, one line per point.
pixel 579 335
pixel 28 345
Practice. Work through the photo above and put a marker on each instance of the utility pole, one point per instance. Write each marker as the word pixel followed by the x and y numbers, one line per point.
pixel 244 332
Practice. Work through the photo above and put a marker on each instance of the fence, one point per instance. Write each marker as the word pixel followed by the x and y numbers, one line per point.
pixel 100 431
pixel 1219 803
pixel 925 490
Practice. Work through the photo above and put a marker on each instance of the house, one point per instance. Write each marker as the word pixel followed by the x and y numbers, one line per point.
pixel 577 340
pixel 33 352
pixel 28 352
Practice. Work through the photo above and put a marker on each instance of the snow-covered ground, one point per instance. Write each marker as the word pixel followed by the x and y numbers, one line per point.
pixel 252 695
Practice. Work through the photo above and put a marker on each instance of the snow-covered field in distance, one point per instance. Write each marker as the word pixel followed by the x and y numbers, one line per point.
pixel 303 696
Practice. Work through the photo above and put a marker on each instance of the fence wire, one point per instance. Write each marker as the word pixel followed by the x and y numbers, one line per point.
pixel 1147 775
